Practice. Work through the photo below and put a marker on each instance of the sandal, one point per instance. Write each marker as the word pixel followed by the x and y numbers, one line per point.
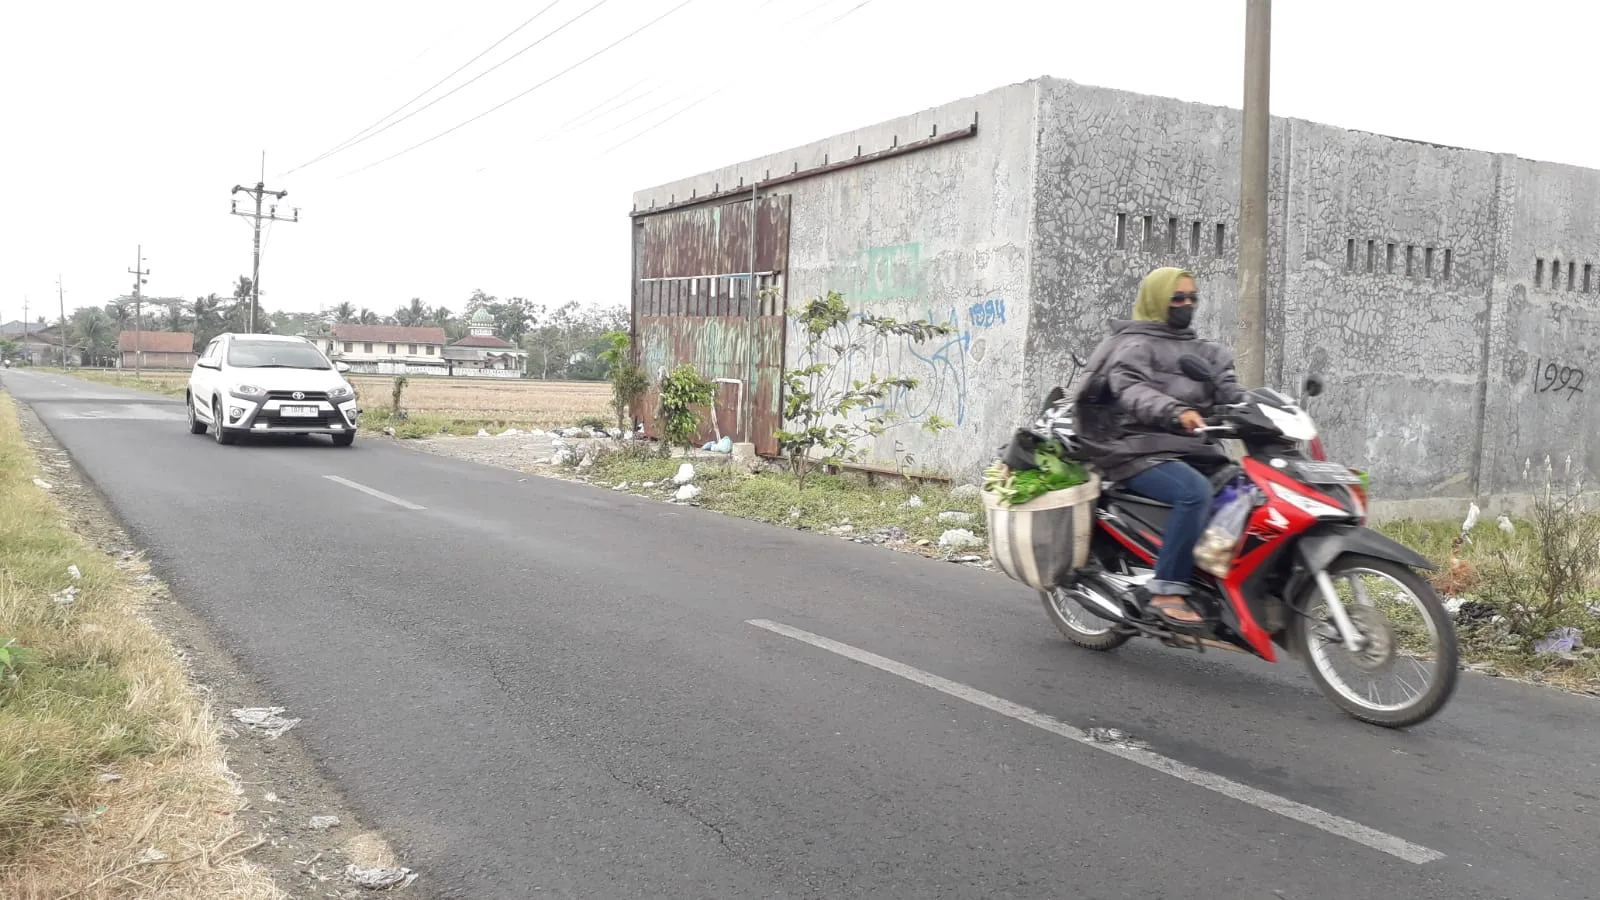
pixel 1165 607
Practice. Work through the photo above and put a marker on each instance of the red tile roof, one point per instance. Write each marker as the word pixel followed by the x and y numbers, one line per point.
pixel 157 341
pixel 484 340
pixel 389 334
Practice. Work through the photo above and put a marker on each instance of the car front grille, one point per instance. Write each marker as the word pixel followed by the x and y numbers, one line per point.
pixel 308 396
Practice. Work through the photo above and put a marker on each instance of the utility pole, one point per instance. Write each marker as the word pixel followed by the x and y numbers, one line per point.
pixel 61 298
pixel 139 272
pixel 1254 155
pixel 259 191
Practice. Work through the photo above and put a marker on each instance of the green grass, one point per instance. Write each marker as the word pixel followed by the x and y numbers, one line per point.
pixel 827 501
pixel 1501 573
pixel 72 702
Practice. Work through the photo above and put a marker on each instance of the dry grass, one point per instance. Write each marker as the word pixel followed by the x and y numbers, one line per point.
pixel 112 780
pixel 449 404
pixel 482 400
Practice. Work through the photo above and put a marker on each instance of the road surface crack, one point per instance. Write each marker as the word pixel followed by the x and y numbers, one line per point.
pixel 680 804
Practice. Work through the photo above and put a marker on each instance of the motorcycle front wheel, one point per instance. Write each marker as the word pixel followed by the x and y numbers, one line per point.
pixel 1406 669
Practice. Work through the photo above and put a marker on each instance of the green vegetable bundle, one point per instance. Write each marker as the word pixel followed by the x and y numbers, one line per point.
pixel 1053 474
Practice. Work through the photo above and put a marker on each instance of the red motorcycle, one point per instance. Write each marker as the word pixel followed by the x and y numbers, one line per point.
pixel 1294 573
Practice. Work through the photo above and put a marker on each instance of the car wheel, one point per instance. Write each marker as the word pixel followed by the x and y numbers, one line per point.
pixel 223 435
pixel 195 425
pixel 345 439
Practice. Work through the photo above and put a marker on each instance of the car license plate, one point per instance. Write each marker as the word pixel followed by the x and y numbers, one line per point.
pixel 299 412
pixel 1326 473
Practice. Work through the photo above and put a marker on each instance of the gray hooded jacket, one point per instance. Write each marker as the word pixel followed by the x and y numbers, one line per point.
pixel 1130 404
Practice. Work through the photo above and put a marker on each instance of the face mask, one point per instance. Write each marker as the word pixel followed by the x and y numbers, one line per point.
pixel 1180 316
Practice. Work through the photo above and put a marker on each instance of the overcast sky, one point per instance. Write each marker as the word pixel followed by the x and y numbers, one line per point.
pixel 128 123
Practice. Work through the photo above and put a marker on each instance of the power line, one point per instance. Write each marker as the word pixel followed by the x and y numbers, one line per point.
pixel 525 93
pixel 829 24
pixel 507 36
pixel 589 115
pixel 474 78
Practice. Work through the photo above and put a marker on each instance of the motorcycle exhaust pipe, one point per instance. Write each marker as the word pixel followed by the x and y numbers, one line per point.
pixel 1103 607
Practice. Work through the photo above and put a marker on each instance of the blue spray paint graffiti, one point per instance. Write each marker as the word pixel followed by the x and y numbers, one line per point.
pixel 987 314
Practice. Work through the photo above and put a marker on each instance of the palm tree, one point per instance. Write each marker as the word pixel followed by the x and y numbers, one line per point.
pixel 120 311
pixel 344 313
pixel 367 317
pixel 411 314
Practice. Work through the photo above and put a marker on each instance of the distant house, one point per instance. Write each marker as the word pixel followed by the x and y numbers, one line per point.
pixel 482 353
pixel 38 344
pixel 156 350
pixel 385 349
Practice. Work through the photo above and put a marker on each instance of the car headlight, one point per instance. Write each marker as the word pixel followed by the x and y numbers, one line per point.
pixel 246 390
pixel 342 392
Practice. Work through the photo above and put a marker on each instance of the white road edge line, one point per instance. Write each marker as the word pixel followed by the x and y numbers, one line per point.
pixel 379 494
pixel 1309 815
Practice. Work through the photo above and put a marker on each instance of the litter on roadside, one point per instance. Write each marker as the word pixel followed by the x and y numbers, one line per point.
pixel 265 719
pixel 379 878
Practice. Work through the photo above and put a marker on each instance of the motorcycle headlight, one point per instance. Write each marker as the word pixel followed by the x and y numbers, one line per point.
pixel 246 390
pixel 1296 426
pixel 1309 505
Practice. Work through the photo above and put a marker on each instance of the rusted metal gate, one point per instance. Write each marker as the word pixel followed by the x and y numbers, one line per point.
pixel 703 297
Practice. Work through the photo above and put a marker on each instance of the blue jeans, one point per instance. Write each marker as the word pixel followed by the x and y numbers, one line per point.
pixel 1190 494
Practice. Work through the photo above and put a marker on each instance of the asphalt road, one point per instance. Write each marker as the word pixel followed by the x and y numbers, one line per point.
pixel 538 688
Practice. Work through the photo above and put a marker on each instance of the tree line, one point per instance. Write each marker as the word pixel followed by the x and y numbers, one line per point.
pixel 566 342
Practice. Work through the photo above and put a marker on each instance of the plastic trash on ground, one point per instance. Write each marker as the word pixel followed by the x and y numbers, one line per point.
pixel 1561 640
pixel 379 877
pixel 685 474
pixel 265 719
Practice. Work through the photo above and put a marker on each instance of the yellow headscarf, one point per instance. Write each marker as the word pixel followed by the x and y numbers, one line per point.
pixel 1155 294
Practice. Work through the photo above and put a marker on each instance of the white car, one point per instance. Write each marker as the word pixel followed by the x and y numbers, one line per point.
pixel 269 384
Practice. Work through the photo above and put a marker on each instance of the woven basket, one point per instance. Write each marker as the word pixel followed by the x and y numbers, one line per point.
pixel 1041 542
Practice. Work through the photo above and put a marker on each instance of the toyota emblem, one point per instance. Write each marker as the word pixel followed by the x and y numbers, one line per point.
pixel 298 395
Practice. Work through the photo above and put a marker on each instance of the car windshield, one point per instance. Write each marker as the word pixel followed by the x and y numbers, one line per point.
pixel 275 355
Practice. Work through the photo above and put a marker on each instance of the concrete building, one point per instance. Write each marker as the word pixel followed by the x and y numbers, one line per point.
pixel 482 353
pixel 156 350
pixel 386 349
pixel 1448 297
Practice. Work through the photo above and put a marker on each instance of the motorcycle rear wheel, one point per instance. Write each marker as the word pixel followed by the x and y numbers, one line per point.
pixel 1077 624
pixel 1313 638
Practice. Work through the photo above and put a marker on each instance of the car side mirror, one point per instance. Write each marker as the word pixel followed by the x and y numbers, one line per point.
pixel 206 365
pixel 342 366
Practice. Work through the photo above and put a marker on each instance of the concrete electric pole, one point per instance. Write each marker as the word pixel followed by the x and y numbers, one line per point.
pixel 139 272
pixel 61 298
pixel 256 218
pixel 1254 156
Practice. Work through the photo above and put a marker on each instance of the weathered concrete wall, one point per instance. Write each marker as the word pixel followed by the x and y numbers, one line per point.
pixel 1420 282
pixel 940 234
pixel 1400 272
pixel 1540 397
pixel 1400 347
pixel 1126 184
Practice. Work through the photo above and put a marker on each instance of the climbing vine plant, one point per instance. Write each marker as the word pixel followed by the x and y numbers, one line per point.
pixel 826 421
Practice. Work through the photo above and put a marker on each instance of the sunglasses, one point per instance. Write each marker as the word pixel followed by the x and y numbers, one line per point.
pixel 1185 296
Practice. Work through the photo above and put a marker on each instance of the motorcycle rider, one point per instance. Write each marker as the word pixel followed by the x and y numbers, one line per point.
pixel 1152 447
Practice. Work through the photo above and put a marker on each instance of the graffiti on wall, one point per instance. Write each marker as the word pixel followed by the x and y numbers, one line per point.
pixel 1552 377
pixel 886 273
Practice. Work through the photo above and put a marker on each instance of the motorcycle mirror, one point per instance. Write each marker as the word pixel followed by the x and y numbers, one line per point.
pixel 1054 397
pixel 1313 386
pixel 1194 367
